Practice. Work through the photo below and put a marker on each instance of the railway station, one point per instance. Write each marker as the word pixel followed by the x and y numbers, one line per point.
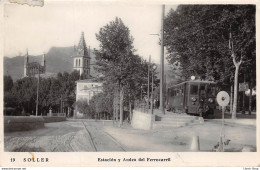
pixel 194 91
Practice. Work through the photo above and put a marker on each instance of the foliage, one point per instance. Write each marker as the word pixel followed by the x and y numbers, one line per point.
pixel 84 107
pixel 115 53
pixel 8 83
pixel 123 71
pixel 102 103
pixel 52 91
pixel 197 37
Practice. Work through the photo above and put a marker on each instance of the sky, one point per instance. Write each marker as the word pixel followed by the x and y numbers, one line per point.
pixel 59 24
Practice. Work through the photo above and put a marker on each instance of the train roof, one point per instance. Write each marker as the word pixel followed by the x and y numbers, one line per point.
pixel 195 81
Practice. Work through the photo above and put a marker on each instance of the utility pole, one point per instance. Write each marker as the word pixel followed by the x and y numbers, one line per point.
pixel 153 72
pixel 148 89
pixel 162 65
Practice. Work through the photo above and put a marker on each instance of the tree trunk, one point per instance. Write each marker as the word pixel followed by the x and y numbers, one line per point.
pixel 235 92
pixel 130 111
pixel 121 105
pixel 250 96
pixel 231 100
pixel 116 106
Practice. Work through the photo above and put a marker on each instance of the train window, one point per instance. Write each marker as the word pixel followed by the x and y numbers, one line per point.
pixel 193 89
pixel 202 87
pixel 202 90
pixel 172 92
pixel 211 90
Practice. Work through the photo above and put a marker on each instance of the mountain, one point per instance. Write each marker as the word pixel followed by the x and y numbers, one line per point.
pixel 58 59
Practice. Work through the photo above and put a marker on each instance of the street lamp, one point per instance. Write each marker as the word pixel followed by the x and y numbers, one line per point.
pixel 153 71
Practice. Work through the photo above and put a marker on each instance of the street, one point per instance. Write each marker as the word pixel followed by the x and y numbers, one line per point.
pixel 102 136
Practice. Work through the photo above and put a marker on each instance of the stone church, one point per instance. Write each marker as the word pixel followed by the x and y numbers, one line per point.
pixel 34 68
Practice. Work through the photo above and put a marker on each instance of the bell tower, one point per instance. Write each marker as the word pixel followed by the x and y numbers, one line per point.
pixel 81 57
pixel 43 63
pixel 26 61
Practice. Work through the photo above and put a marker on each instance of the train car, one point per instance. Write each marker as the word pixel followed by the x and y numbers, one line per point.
pixel 196 97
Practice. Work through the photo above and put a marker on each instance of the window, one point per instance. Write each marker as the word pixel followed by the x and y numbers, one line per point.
pixel 193 89
pixel 202 90
pixel 171 92
pixel 79 62
pixel 76 62
pixel 211 90
pixel 202 87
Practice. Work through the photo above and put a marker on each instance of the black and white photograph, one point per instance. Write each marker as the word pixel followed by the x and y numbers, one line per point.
pixel 120 77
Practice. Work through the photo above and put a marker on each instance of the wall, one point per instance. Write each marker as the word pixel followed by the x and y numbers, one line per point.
pixel 51 119
pixel 22 123
pixel 142 120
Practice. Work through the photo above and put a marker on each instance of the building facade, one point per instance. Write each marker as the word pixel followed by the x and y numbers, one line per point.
pixel 81 57
pixel 87 88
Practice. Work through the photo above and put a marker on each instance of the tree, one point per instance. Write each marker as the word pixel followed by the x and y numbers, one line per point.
pixel 114 56
pixel 56 92
pixel 24 91
pixel 102 103
pixel 8 83
pixel 197 36
pixel 83 107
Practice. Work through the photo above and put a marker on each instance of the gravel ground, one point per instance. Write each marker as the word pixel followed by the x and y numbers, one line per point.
pixel 89 136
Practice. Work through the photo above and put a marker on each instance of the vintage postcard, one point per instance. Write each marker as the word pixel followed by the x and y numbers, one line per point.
pixel 127 83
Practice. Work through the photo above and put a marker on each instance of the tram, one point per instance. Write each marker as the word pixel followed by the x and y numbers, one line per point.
pixel 195 97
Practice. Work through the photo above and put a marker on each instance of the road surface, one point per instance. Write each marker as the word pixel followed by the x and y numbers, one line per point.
pixel 102 136
pixel 69 136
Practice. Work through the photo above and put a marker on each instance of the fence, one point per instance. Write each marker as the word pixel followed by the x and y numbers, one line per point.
pixel 57 114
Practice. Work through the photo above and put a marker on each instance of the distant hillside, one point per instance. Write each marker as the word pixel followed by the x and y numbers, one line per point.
pixel 58 59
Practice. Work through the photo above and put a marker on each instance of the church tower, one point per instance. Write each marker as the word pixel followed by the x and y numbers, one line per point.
pixel 43 63
pixel 81 57
pixel 26 61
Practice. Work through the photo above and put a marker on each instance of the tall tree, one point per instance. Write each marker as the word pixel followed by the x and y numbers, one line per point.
pixel 197 36
pixel 8 83
pixel 114 56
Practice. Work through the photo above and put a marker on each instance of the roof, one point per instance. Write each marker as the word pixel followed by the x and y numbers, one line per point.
pixel 89 80
pixel 195 81
pixel 81 50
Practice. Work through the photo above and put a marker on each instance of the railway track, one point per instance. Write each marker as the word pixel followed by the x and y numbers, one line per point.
pixel 90 138
pixel 99 135
pixel 115 141
pixel 21 147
